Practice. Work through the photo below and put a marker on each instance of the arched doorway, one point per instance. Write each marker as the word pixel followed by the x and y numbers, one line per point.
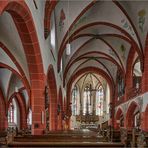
pixel 17 111
pixel 119 119
pixel 14 114
pixel 52 99
pixel 133 116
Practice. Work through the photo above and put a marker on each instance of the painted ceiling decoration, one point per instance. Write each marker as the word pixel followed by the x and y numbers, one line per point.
pixel 141 19
pixel 62 18
pixel 98 39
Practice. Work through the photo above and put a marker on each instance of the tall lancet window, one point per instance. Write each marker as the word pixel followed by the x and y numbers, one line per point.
pixel 137 74
pixel 74 101
pixel 99 101
pixel 11 113
pixel 87 101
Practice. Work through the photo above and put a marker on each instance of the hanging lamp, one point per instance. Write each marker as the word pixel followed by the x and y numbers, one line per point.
pixel 68 45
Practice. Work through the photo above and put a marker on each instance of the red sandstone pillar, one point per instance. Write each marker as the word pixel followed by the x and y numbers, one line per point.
pixel 60 126
pixel 24 122
pixel 129 77
pixel 3 121
pixel 23 111
pixel 38 106
pixel 145 73
pixel 144 121
pixel 53 113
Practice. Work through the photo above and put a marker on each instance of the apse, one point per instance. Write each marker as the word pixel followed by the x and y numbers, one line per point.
pixel 90 99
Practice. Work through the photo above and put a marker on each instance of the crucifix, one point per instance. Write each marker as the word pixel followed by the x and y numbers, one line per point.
pixel 89 93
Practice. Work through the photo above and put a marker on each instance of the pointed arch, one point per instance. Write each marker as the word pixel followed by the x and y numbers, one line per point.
pixel 130 115
pixel 49 7
pixel 79 73
pixel 22 107
pixel 118 115
pixel 23 20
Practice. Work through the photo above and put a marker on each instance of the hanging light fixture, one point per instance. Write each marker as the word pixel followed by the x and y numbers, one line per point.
pixel 68 46
pixel 16 89
pixel 68 49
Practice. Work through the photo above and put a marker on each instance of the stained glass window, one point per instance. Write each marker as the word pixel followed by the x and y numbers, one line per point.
pixel 87 101
pixel 74 101
pixel 12 112
pixel 29 118
pixel 99 101
pixel 137 74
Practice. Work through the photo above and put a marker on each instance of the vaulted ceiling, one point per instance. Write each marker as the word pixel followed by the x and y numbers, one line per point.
pixel 101 34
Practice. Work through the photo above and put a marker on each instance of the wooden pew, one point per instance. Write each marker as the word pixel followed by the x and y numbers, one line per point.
pixel 57 139
pixel 126 137
pixel 3 137
pixel 142 139
pixel 116 136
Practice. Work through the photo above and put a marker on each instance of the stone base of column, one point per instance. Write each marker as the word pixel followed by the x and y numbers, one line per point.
pixel 38 129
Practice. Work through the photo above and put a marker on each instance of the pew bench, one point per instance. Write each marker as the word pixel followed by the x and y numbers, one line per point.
pixel 3 137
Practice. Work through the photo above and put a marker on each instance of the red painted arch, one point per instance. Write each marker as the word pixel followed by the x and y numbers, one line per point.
pixel 100 64
pixel 7 51
pixel 13 71
pixel 111 35
pixel 22 107
pixel 3 118
pixel 71 26
pixel 81 57
pixel 23 20
pixel 49 7
pixel 129 120
pixel 131 22
pixel 117 117
pixel 88 52
pixel 70 62
pixel 81 72
pixel 94 24
pixel 118 113
pixel 89 69
pixel 24 23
